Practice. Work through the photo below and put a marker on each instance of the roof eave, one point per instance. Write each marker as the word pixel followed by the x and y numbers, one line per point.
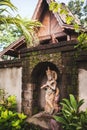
pixel 11 46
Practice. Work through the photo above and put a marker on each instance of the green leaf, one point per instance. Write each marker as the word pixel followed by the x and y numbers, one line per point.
pixel 60 119
pixel 8 4
pixel 73 102
pixel 76 27
pixel 4 114
pixel 80 103
pixel 67 113
pixel 82 41
pixel 69 19
pixel 12 98
pixel 54 6
pixel 65 107
pixel 22 116
pixel 63 11
pixel 16 124
pixel 66 101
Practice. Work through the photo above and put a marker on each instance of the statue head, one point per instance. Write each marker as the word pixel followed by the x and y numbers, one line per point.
pixel 51 74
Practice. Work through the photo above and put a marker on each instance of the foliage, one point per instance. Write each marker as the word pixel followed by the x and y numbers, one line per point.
pixel 82 41
pixel 25 26
pixel 78 8
pixel 8 102
pixel 77 5
pixel 8 35
pixel 58 7
pixel 71 118
pixel 9 118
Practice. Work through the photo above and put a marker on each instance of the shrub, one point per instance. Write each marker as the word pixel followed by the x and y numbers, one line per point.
pixel 7 102
pixel 9 118
pixel 70 117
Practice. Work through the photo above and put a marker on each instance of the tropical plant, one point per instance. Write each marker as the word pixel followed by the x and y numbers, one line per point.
pixel 9 102
pixel 10 119
pixel 70 117
pixel 25 26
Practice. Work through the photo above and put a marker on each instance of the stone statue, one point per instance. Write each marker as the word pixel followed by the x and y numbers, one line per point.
pixel 52 92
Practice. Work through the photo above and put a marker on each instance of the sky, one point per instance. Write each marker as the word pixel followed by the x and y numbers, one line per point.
pixel 26 7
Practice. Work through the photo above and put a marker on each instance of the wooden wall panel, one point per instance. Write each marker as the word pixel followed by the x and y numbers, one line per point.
pixel 45 29
pixel 55 27
pixel 49 25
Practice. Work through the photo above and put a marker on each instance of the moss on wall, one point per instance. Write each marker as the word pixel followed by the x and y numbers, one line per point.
pixel 36 58
pixel 68 82
pixel 71 75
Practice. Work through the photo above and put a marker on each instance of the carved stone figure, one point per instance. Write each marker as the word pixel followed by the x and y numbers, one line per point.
pixel 52 92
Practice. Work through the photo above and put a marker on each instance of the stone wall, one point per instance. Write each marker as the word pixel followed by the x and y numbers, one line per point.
pixel 35 62
pixel 31 69
pixel 70 74
pixel 34 67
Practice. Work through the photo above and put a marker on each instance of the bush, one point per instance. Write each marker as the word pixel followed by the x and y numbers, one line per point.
pixel 70 117
pixel 9 118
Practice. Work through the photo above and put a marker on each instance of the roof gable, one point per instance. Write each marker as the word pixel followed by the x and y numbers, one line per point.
pixel 52 23
pixel 50 26
pixel 61 18
pixel 53 26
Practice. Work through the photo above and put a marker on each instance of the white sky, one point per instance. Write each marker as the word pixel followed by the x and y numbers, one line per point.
pixel 26 7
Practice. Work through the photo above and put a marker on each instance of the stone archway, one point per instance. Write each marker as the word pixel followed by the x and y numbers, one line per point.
pixel 38 78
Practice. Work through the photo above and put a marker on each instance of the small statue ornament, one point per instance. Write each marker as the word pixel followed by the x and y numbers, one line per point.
pixel 52 92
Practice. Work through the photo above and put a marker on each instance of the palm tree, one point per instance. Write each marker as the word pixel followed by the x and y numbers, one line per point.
pixel 27 27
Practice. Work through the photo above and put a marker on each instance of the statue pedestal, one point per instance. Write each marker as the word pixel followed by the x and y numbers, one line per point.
pixel 45 121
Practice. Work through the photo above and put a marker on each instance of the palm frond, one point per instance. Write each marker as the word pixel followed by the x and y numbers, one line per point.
pixel 7 4
pixel 27 27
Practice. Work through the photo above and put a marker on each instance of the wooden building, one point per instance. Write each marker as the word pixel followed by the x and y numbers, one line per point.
pixel 54 25
pixel 54 29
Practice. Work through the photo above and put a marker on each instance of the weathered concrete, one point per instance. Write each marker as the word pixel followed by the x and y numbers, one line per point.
pixel 11 82
pixel 83 86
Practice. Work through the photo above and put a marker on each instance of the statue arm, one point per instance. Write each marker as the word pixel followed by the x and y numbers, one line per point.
pixel 52 84
pixel 43 86
pixel 57 91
